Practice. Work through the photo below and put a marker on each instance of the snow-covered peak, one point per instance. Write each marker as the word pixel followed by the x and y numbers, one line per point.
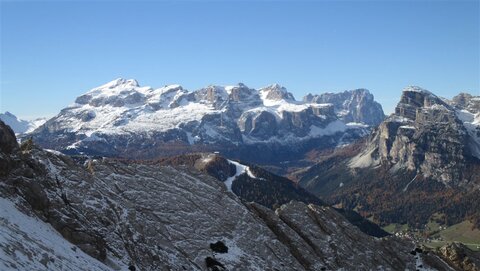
pixel 119 82
pixel 416 98
pixel 213 114
pixel 276 86
pixel 235 87
pixel 418 90
pixel 167 89
pixel 20 126
pixel 17 125
pixel 117 87
pixel 276 92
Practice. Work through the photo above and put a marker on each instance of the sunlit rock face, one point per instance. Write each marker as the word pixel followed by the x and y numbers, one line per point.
pixel 352 106
pixel 421 160
pixel 429 135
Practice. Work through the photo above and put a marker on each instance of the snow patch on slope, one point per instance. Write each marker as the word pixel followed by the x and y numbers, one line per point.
pixel 27 243
pixel 239 170
pixel 471 122
pixel 234 254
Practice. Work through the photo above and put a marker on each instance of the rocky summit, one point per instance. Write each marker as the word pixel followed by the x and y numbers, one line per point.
pixel 60 213
pixel 123 119
pixel 429 135
pixel 351 106
pixel 421 160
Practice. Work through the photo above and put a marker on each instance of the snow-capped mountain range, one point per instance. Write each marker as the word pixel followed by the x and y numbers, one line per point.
pixel 20 126
pixel 122 117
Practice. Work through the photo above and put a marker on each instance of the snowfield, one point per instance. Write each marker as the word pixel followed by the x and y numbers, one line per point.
pixel 240 169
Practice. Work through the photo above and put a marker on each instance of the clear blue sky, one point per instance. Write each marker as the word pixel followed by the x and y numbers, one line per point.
pixel 52 52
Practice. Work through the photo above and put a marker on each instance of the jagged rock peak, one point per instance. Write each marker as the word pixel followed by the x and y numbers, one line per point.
pixel 331 95
pixel 276 92
pixel 466 101
pixel 356 105
pixel 462 98
pixel 238 85
pixel 414 98
pixel 426 135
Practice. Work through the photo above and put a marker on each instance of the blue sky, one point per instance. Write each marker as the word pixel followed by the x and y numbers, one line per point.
pixel 52 52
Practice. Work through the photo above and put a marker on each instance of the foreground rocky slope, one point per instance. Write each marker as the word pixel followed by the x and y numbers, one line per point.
pixel 123 119
pixel 161 218
pixel 421 160
pixel 254 184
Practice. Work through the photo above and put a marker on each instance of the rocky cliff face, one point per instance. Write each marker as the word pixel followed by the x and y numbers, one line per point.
pixel 123 119
pixel 260 186
pixel 420 160
pixel 352 106
pixel 427 135
pixel 117 215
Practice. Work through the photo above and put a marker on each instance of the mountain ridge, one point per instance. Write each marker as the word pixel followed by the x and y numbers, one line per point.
pixel 422 159
pixel 20 126
pixel 121 117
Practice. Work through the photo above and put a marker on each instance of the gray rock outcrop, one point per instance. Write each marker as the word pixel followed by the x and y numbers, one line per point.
pixel 427 135
pixel 352 106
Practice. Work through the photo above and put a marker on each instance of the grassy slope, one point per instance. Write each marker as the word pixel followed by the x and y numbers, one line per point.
pixel 462 232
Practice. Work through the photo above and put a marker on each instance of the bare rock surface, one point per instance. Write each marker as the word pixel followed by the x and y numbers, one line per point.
pixel 112 215
pixel 421 160
pixel 460 257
